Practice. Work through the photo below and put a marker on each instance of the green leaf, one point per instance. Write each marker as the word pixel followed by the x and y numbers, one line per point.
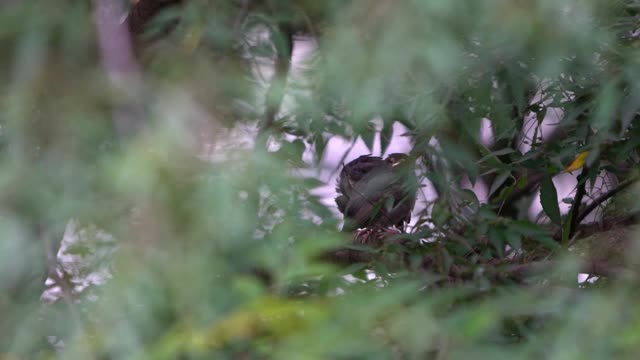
pixel 319 143
pixel 495 154
pixel 549 199
pixel 497 237
pixel 498 181
pixel 313 182
pixel 514 240
pixel 292 151
pixel 385 137
pixel 522 182
pixel 368 137
pixel 356 270
pixel 388 205
pixel 540 115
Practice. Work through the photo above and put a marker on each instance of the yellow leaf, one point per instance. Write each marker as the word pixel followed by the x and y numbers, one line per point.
pixel 193 38
pixel 578 162
pixel 277 317
pixel 8 357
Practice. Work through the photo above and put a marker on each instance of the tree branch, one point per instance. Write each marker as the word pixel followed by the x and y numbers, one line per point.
pixel 120 65
pixel 581 190
pixel 144 10
pixel 604 197
pixel 275 92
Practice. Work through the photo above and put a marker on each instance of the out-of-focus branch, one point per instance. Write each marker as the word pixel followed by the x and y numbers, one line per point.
pixel 581 190
pixel 517 272
pixel 144 10
pixel 592 267
pixel 120 65
pixel 604 197
pixel 347 256
pixel 603 260
pixel 275 92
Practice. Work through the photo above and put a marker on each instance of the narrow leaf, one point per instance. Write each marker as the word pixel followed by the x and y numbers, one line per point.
pixel 385 137
pixel 368 136
pixel 549 199
pixel 495 154
pixel 578 162
pixel 498 181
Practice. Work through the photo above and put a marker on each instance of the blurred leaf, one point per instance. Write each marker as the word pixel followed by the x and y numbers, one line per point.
pixel 541 115
pixel 386 135
pixel 498 181
pixel 271 317
pixel 368 136
pixel 549 199
pixel 496 153
pixel 187 238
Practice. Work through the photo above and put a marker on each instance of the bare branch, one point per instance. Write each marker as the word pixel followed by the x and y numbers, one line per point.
pixel 119 62
pixel 604 197
pixel 581 190
pixel 144 10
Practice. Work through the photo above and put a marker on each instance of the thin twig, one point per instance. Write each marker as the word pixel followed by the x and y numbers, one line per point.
pixel 581 190
pixel 343 158
pixel 604 197
pixel 242 15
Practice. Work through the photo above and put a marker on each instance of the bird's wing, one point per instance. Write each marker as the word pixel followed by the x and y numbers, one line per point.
pixel 367 203
pixel 351 174
pixel 405 192
pixel 342 201
pixel 372 191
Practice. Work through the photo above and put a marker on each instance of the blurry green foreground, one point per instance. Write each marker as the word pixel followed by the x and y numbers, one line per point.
pixel 158 179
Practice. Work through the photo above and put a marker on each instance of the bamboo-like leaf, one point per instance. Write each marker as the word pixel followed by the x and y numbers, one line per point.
pixel 549 199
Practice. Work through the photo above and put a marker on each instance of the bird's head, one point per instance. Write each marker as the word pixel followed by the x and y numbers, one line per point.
pixel 396 159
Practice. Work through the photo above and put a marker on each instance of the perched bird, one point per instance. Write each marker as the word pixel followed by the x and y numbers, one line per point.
pixel 376 192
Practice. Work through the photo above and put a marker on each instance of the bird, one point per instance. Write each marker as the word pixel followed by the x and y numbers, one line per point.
pixel 377 193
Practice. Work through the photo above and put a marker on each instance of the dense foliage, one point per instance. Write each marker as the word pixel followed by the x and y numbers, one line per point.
pixel 158 193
